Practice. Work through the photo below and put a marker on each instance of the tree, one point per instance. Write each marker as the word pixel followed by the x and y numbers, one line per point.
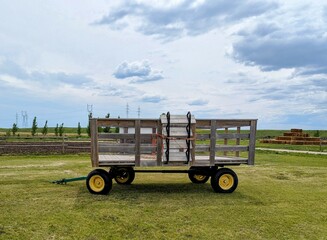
pixel 14 129
pixel 107 129
pixel 45 128
pixel 61 130
pixel 79 129
pixel 57 130
pixel 117 128
pixel 34 126
pixel 317 134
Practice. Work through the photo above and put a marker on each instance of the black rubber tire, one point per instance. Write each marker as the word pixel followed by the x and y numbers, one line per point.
pixel 124 175
pixel 197 178
pixel 99 182
pixel 224 180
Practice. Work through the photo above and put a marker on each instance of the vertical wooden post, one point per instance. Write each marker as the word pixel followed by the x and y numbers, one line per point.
pixel 225 141
pixel 213 137
pixel 253 129
pixel 193 142
pixel 238 131
pixel 159 144
pixel 94 142
pixel 137 143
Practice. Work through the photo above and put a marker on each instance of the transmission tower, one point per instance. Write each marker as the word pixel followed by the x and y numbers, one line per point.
pixel 17 119
pixel 127 110
pixel 139 112
pixel 89 108
pixel 25 119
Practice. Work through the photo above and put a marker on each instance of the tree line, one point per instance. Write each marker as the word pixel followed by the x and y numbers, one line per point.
pixel 59 129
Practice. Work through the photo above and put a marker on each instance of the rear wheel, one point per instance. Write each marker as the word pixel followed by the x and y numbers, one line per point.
pixel 197 177
pixel 224 180
pixel 99 182
pixel 124 175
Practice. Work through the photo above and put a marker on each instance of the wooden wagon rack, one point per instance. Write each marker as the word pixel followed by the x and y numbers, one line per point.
pixel 171 140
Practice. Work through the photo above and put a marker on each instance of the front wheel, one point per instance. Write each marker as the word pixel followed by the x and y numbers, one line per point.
pixel 99 182
pixel 224 180
pixel 124 175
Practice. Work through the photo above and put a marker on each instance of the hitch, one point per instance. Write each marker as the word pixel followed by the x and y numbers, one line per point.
pixel 66 180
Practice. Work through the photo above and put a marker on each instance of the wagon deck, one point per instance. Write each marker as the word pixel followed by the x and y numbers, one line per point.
pixel 171 140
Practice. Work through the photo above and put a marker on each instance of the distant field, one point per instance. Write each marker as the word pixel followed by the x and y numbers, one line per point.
pixel 282 197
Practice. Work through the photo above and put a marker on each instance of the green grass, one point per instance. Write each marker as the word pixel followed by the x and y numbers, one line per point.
pixel 282 197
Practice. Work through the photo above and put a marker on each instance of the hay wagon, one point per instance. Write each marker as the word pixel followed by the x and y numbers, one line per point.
pixel 202 148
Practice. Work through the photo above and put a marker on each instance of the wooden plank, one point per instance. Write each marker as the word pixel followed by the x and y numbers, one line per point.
pixel 232 148
pixel 225 141
pixel 238 141
pixel 201 136
pixel 233 135
pixel 106 147
pixel 253 131
pixel 177 120
pixel 94 142
pixel 128 136
pixel 177 132
pixel 159 144
pixel 176 156
pixel 176 144
pixel 193 142
pixel 202 148
pixel 116 148
pixel 213 142
pixel 128 122
pixel 137 142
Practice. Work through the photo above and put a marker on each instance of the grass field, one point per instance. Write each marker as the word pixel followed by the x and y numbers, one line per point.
pixel 282 197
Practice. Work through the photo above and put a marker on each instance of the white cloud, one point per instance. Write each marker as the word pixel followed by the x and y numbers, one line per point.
pixel 137 72
pixel 184 18
pixel 289 39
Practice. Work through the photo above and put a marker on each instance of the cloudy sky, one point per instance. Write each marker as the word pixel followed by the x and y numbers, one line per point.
pixel 217 59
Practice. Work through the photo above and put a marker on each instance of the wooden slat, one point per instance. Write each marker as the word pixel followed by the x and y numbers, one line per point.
pixel 238 141
pixel 176 144
pixel 137 142
pixel 176 156
pixel 159 145
pixel 177 132
pixel 117 148
pixel 201 136
pixel 253 130
pixel 193 143
pixel 125 148
pixel 232 148
pixel 128 136
pixel 177 120
pixel 202 148
pixel 233 136
pixel 213 142
pixel 225 140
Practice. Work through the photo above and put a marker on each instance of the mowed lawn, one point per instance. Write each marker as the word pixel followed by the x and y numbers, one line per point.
pixel 282 197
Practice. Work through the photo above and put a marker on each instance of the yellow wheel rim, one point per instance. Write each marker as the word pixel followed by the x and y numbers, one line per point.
pixel 123 177
pixel 199 177
pixel 97 183
pixel 226 181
